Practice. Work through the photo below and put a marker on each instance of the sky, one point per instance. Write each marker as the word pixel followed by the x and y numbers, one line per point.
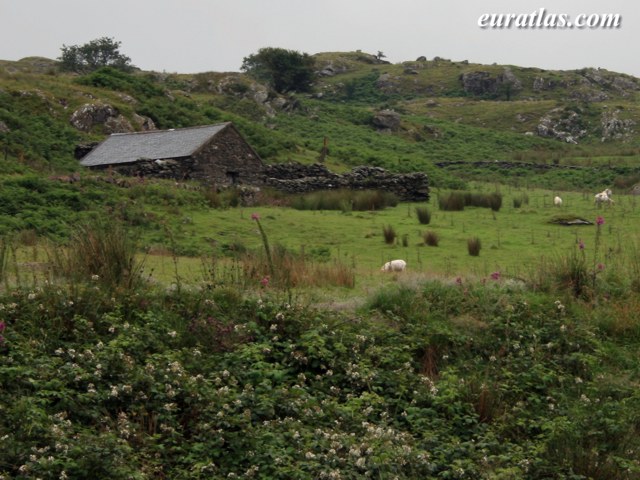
pixel 193 36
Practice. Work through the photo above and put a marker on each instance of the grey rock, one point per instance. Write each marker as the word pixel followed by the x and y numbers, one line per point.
pixel 387 120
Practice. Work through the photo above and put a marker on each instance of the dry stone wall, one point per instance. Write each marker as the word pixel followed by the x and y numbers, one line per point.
pixel 297 178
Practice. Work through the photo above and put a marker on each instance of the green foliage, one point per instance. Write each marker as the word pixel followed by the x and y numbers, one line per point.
pixel 34 136
pixel 284 70
pixel 101 52
pixel 465 380
pixel 121 81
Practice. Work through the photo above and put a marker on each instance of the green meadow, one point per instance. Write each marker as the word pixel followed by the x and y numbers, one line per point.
pixel 515 241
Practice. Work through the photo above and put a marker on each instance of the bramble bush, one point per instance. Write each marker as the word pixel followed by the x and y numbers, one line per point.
pixel 465 379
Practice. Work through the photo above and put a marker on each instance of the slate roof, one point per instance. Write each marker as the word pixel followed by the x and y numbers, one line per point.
pixel 151 145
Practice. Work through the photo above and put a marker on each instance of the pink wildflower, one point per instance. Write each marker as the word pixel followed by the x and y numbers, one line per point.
pixel 495 276
pixel 580 244
pixel 599 221
pixel 265 281
pixel 459 281
pixel 255 216
pixel 2 326
pixel 601 266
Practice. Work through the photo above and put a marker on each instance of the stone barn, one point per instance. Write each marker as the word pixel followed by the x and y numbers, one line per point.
pixel 216 155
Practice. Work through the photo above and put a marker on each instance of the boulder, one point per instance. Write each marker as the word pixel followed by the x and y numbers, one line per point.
pixel 386 120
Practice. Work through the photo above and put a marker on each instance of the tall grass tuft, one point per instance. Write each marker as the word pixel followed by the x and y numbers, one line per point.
pixel 424 215
pixel 345 200
pixel 389 234
pixel 431 238
pixel 451 202
pixel 100 251
pixel 473 246
pixel 522 199
pixel 457 200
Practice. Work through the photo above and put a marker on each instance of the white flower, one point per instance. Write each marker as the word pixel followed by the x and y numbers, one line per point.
pixel 172 333
pixel 95 278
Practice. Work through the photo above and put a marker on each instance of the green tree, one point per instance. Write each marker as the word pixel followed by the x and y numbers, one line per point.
pixel 102 52
pixel 283 70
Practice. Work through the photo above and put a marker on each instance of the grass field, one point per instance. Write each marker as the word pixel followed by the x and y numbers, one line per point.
pixel 514 241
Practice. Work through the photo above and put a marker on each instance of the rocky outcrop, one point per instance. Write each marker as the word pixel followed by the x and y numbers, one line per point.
pixel 386 120
pixel 614 128
pixel 562 124
pixel 100 114
pixel 296 178
pixel 483 84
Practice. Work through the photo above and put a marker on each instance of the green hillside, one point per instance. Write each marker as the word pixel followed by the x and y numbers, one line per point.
pixel 448 111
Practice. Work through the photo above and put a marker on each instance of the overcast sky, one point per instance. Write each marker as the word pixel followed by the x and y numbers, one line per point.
pixel 191 36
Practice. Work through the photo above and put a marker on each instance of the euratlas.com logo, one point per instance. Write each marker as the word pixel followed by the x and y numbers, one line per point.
pixel 544 20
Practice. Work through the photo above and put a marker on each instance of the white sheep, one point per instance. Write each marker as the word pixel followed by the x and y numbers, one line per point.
pixel 604 197
pixel 394 266
pixel 557 201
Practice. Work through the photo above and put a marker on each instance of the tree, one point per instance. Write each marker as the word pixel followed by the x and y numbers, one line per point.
pixel 283 70
pixel 102 52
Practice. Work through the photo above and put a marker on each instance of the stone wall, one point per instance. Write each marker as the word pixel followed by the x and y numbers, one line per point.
pixel 296 178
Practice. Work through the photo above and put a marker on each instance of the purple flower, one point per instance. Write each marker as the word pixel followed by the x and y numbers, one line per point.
pixel 2 326
pixel 265 281
pixel 580 244
pixel 601 266
pixel 599 221
pixel 495 276
pixel 255 216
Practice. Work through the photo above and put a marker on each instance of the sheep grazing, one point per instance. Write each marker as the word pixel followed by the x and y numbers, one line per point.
pixel 394 266
pixel 557 202
pixel 604 197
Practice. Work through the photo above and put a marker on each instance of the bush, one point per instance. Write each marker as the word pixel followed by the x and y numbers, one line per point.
pixel 424 215
pixel 473 246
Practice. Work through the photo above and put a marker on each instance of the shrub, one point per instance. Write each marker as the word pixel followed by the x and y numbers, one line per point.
pixel 431 238
pixel 424 215
pixel 473 246
pixel 389 234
